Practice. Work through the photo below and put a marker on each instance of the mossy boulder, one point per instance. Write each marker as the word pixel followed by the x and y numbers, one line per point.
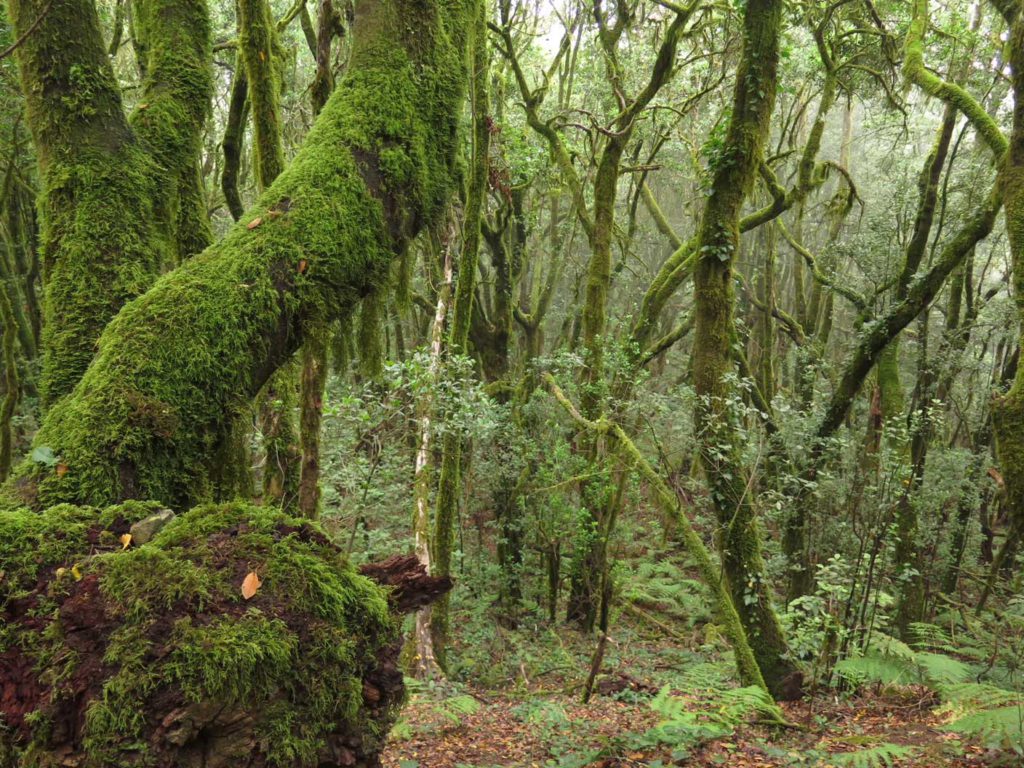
pixel 119 655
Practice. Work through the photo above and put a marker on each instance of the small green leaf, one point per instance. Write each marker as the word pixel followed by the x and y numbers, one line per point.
pixel 44 454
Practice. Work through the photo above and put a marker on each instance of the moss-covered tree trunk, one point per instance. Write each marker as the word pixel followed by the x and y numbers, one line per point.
pixel 449 486
pixel 151 410
pixel 111 188
pixel 718 438
pixel 1008 410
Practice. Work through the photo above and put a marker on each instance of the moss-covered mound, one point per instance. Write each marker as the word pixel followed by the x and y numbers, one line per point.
pixel 113 654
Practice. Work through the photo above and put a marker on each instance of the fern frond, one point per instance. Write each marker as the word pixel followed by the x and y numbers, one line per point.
pixel 737 703
pixel 940 669
pixel 884 645
pixel 980 696
pixel 1001 728
pixel 877 669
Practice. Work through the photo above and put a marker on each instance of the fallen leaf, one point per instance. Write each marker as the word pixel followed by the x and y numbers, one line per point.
pixel 62 469
pixel 302 266
pixel 255 222
pixel 126 540
pixel 251 585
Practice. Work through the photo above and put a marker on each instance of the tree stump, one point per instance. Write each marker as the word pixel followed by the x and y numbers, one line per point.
pixel 113 654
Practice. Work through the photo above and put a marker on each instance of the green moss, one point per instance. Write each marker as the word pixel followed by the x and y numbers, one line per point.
pixel 294 657
pixel 370 335
pixel 889 383
pixel 231 660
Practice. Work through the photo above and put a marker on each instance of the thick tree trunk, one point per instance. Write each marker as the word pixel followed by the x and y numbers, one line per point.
pixel 1008 410
pixel 175 366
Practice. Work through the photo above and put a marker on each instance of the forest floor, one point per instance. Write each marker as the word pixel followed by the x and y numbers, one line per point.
pixel 538 720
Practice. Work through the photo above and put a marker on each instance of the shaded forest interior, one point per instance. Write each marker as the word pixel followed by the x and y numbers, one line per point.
pixel 475 383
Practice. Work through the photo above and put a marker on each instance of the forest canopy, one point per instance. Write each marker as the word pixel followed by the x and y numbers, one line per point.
pixel 637 378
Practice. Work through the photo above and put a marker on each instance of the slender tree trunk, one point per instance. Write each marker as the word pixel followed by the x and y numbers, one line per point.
pixel 718 439
pixel 234 139
pixel 425 659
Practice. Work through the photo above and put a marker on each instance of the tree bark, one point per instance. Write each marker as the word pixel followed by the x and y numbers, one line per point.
pixel 449 485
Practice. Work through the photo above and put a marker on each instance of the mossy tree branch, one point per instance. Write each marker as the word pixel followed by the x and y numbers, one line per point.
pixel 916 72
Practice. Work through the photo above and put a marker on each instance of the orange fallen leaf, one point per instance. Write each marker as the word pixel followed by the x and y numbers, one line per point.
pixel 255 222
pixel 251 585
pixel 62 469
pixel 302 266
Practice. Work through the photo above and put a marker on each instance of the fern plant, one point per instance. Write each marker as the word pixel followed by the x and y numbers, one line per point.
pixel 890 661
pixel 882 755
pixel 682 728
pixel 991 715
